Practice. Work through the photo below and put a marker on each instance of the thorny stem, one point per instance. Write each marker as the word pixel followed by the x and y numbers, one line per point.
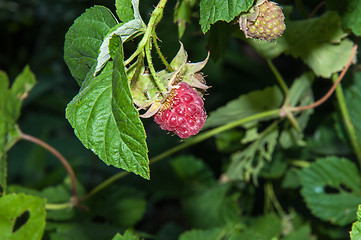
pixel 166 64
pixel 148 55
pixel 61 158
pixel 153 21
pixel 332 89
pixel 347 120
pixel 187 143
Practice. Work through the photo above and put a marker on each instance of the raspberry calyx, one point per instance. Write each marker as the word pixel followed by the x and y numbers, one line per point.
pixel 182 112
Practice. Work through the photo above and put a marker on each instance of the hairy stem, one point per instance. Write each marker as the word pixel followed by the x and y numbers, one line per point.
pixel 332 89
pixel 148 55
pixel 347 120
pixel 153 21
pixel 166 64
pixel 187 143
pixel 60 157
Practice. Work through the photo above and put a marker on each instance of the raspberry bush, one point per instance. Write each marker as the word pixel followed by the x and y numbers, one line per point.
pixel 271 151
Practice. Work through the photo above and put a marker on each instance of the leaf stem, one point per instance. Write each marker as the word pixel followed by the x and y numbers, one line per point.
pixel 60 157
pixel 153 21
pixel 347 120
pixel 280 80
pixel 332 89
pixel 166 64
pixel 104 184
pixel 192 141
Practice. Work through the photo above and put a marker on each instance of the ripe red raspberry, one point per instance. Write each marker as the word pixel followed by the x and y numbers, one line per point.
pixel 182 112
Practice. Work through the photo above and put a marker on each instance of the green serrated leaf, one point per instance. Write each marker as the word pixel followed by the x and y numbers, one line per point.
pixel 250 161
pixel 214 234
pixel 355 233
pixel 212 11
pixel 84 38
pixel 211 207
pixel 128 10
pixel 331 189
pixel 13 206
pixel 126 31
pixel 124 10
pixel 245 106
pixel 318 42
pixel 133 146
pixel 90 114
pixel 128 235
pixel 266 227
pixel 10 106
pixel 350 13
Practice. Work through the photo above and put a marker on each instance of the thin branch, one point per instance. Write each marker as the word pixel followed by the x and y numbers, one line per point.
pixel 280 81
pixel 315 10
pixel 60 157
pixel 347 121
pixel 148 55
pixel 332 89
pixel 166 64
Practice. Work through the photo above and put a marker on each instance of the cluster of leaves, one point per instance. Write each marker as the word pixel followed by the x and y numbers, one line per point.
pixel 273 155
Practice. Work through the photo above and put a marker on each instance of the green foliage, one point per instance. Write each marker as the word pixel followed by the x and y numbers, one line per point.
pixel 216 234
pixel 331 189
pixel 216 10
pixel 211 207
pixel 247 164
pixel 13 207
pixel 320 42
pixel 267 164
pixel 349 12
pixel 246 105
pixel 94 122
pixel 84 39
pixel 128 235
pixel 10 106
pixel 356 226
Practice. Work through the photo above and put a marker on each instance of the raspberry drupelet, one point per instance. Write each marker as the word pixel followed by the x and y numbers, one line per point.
pixel 182 112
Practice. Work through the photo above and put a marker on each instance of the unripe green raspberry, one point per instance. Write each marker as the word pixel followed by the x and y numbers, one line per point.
pixel 268 25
